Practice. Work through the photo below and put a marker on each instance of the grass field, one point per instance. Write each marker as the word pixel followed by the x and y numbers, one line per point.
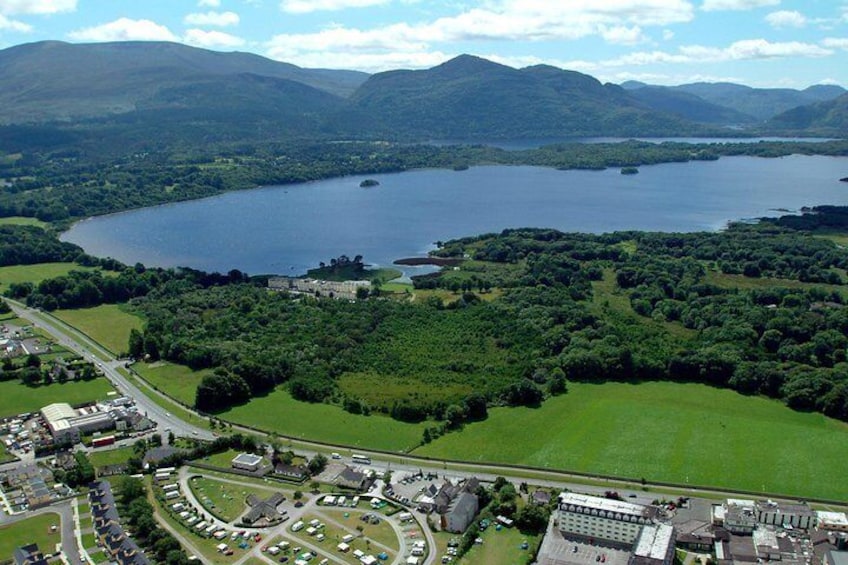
pixel 33 530
pixel 16 398
pixel 500 548
pixel 225 500
pixel 684 433
pixel 280 413
pixel 35 273
pixel 22 221
pixel 746 283
pixel 177 381
pixel 110 456
pixel 109 324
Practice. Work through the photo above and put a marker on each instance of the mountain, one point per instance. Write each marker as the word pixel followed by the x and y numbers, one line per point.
pixel 761 103
pixel 472 98
pixel 829 118
pixel 52 80
pixel 686 105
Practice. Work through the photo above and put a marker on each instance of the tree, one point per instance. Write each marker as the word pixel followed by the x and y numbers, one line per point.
pixel 532 519
pixel 317 464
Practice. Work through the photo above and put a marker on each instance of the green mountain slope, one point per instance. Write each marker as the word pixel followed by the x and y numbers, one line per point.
pixel 53 80
pixel 688 106
pixel 826 118
pixel 472 98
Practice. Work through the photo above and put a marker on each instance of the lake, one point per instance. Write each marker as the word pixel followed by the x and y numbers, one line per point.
pixel 288 229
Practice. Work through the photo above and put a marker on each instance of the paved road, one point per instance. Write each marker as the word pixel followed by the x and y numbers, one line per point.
pixel 75 341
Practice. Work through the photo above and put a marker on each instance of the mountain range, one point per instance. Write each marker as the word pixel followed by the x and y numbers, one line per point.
pixel 153 94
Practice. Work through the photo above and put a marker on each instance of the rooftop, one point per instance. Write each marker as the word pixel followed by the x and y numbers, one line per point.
pixel 247 459
pixel 606 504
pixel 58 411
pixel 653 542
pixel 832 518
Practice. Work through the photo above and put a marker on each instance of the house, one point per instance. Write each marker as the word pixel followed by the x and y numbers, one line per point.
pixel 264 512
pixel 291 472
pixel 540 497
pixel 28 555
pixel 352 479
pixel 456 504
pixel 247 462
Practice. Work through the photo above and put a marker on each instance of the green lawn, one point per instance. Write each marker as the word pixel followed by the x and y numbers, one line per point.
pixel 35 273
pixel 746 283
pixel 5 456
pixel 16 398
pixel 665 432
pixel 177 381
pixel 279 412
pixel 500 548
pixel 32 530
pixel 225 500
pixel 109 324
pixel 110 456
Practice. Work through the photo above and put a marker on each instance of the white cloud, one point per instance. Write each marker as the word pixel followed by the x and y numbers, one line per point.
pixel 9 7
pixel 307 6
pixel 755 49
pixel 212 39
pixel 125 29
pixel 13 25
pixel 836 42
pixel 786 18
pixel 208 3
pixel 622 35
pixel 716 5
pixel 220 19
pixel 667 35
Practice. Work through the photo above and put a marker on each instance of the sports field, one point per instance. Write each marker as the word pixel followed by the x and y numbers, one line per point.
pixel 109 324
pixel 683 433
pixel 16 398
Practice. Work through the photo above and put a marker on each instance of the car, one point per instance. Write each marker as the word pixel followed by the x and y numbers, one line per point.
pixel 284 558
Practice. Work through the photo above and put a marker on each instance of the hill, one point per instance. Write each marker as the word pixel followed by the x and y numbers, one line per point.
pixel 472 98
pixel 686 105
pixel 52 80
pixel 761 103
pixel 828 118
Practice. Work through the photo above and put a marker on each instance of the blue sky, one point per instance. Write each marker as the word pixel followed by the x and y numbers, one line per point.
pixel 765 43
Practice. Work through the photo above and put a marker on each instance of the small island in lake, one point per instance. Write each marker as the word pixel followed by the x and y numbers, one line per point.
pixel 844 179
pixel 369 183
pixel 629 171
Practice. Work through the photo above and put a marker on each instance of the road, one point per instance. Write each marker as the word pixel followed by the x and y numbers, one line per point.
pixel 68 337
pixel 68 528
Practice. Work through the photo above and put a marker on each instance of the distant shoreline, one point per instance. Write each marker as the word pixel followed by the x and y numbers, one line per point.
pixel 437 261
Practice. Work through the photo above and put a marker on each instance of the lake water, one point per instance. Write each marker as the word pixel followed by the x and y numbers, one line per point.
pixel 288 229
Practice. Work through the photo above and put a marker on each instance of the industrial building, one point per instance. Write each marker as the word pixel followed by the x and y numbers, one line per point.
pixel 246 462
pixel 67 424
pixel 655 546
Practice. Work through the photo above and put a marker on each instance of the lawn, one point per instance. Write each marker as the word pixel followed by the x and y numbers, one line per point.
pixel 500 548
pixel 32 530
pixel 280 413
pixel 110 456
pixel 16 398
pixel 224 500
pixel 723 280
pixel 5 456
pixel 109 324
pixel 683 433
pixel 177 381
pixel 35 273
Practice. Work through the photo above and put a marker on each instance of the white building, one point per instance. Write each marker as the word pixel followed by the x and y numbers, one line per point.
pixel 600 519
pixel 832 521
pixel 246 461
pixel 655 546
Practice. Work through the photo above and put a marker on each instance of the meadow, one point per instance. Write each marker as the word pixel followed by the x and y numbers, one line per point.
pixel 683 433
pixel 108 324
pixel 278 412
pixel 501 547
pixel 224 500
pixel 35 273
pixel 16 398
pixel 32 530
pixel 22 221
pixel 177 381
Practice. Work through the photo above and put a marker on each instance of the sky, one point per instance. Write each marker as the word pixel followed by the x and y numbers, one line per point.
pixel 761 43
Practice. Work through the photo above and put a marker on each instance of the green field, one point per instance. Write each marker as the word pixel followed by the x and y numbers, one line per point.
pixel 684 433
pixel 109 324
pixel 177 381
pixel 110 456
pixel 280 413
pixel 16 398
pixel 32 530
pixel 225 500
pixel 22 221
pixel 500 548
pixel 35 273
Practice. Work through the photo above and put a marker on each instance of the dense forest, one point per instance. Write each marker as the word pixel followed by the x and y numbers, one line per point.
pixel 757 308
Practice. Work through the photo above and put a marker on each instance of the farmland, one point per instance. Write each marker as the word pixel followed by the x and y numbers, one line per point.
pixel 108 324
pixel 683 433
